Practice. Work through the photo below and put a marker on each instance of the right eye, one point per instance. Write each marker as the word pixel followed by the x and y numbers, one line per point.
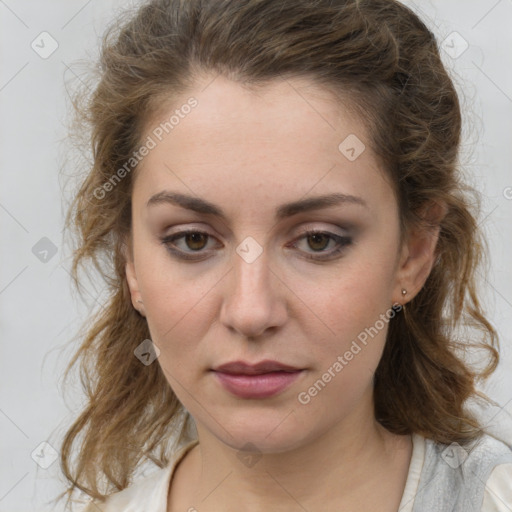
pixel 194 240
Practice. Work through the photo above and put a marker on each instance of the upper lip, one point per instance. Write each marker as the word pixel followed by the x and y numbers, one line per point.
pixel 243 368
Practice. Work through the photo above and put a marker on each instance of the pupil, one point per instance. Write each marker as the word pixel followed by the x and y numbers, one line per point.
pixel 196 237
pixel 316 238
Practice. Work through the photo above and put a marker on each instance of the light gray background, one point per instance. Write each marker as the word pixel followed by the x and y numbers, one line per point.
pixel 40 313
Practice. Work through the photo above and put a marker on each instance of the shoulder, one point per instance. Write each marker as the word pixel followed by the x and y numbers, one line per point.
pixel 498 489
pixel 148 494
pixel 480 457
pixel 456 477
pixel 142 495
pixel 491 461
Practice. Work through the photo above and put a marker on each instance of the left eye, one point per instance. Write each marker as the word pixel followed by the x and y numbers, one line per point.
pixel 196 241
pixel 319 240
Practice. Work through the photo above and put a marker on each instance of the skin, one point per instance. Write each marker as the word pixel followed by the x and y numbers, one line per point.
pixel 249 152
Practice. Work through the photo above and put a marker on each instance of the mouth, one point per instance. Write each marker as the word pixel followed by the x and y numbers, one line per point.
pixel 243 368
pixel 256 381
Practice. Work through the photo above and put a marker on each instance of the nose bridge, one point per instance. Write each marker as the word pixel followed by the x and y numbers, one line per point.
pixel 251 274
pixel 252 279
pixel 251 267
pixel 251 304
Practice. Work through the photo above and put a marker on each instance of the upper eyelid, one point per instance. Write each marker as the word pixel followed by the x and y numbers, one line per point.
pixel 346 228
pixel 304 231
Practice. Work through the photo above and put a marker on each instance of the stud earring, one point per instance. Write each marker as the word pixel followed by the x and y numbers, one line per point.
pixel 404 291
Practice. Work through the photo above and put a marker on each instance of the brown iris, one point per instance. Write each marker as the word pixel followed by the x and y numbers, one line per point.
pixel 196 238
pixel 318 237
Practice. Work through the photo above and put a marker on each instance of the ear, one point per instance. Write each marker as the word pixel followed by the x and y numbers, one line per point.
pixel 131 278
pixel 418 253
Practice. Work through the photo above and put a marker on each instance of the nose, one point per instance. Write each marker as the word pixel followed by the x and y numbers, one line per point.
pixel 254 298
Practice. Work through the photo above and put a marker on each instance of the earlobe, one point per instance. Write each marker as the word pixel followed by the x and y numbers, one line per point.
pixel 133 284
pixel 419 253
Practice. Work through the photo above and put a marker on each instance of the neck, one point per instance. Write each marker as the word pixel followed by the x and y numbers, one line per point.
pixel 343 466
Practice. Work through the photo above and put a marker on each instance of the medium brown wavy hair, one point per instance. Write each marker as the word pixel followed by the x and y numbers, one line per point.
pixel 376 54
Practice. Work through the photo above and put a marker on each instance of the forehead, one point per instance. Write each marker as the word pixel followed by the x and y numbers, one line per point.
pixel 287 138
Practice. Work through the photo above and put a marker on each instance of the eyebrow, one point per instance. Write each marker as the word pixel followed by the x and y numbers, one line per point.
pixel 284 211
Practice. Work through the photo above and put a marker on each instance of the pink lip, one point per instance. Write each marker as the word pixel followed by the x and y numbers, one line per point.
pixel 260 380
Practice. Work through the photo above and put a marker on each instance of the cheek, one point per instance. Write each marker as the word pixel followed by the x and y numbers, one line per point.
pixel 356 294
pixel 178 319
pixel 345 362
pixel 177 310
pixel 178 303
pixel 355 309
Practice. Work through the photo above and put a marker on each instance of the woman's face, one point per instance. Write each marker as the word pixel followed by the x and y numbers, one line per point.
pixel 250 285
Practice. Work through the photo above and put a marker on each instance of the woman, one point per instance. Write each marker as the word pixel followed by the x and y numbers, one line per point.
pixel 276 205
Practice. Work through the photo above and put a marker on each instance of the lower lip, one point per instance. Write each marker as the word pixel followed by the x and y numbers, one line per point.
pixel 257 386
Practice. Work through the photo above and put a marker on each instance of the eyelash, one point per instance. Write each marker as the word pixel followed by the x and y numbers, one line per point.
pixel 341 241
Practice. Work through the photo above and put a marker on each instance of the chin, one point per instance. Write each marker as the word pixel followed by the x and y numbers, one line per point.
pixel 272 431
